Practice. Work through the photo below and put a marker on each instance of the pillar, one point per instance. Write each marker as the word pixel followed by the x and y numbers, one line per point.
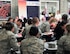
pixel 14 8
pixel 64 6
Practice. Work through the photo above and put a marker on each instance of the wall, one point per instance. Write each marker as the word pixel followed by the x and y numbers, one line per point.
pixel 14 6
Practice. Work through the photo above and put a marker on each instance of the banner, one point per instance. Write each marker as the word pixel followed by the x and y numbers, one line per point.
pixel 22 9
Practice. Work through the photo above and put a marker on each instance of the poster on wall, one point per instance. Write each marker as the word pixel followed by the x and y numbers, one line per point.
pixel 22 9
pixel 5 10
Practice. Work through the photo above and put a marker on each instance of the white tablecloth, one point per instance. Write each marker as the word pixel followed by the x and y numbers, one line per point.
pixel 53 45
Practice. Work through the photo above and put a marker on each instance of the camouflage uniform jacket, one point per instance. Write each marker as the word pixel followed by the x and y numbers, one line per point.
pixel 7 41
pixel 45 27
pixel 63 44
pixel 25 33
pixel 32 45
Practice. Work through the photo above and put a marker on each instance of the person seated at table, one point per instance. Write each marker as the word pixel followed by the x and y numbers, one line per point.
pixel 32 44
pixel 59 30
pixel 64 42
pixel 8 39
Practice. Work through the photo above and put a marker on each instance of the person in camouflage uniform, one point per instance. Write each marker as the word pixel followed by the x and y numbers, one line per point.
pixel 32 44
pixel 7 39
pixel 35 22
pixel 64 42
pixel 45 26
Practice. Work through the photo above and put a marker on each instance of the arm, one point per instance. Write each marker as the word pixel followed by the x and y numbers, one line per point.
pixel 13 42
pixel 61 45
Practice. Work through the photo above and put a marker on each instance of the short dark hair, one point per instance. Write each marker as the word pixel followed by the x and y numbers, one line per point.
pixel 64 16
pixel 62 23
pixel 9 26
pixel 29 21
pixel 9 19
pixel 25 20
pixel 19 20
pixel 43 13
pixel 33 31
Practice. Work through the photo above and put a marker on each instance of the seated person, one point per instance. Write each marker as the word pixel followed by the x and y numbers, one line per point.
pixel 32 44
pixel 8 39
